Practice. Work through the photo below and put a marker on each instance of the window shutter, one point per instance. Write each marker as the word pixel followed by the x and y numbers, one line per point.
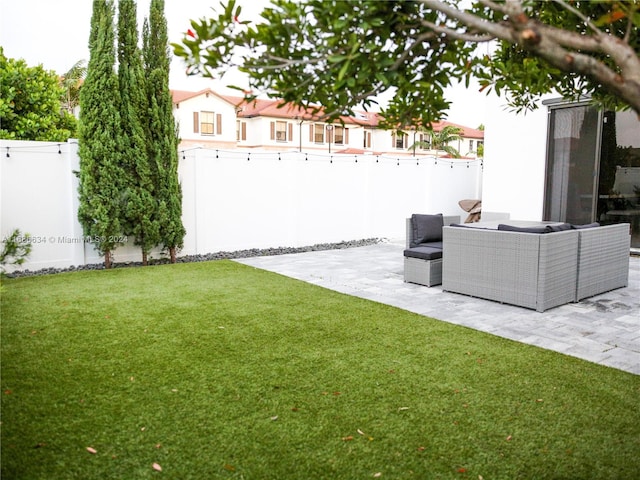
pixel 243 127
pixel 218 123
pixel 273 131
pixel 290 132
pixel 311 139
pixel 196 122
pixel 346 136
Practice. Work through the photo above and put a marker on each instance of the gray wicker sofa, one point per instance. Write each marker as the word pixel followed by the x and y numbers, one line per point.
pixel 538 268
pixel 603 259
pixel 423 253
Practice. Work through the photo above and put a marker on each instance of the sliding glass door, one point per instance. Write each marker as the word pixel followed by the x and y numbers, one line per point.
pixel 593 167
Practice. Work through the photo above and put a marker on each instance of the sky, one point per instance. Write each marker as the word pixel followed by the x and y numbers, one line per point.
pixel 55 33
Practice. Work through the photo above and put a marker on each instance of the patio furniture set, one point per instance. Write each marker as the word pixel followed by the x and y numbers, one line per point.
pixel 537 265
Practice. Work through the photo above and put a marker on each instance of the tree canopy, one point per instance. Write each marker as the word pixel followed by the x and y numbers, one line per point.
pixel 30 103
pixel 139 218
pixel 129 184
pixel 441 140
pixel 339 54
pixel 162 135
pixel 101 173
pixel 71 83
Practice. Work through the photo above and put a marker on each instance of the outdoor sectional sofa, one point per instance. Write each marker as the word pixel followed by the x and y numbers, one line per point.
pixel 535 267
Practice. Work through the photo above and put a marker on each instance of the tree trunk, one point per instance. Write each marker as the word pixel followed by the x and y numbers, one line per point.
pixel 107 259
pixel 144 259
pixel 172 254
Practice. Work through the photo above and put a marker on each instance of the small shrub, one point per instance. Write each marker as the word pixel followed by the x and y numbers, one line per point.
pixel 16 249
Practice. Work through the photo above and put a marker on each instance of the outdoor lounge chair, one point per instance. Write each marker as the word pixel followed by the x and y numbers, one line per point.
pixel 423 253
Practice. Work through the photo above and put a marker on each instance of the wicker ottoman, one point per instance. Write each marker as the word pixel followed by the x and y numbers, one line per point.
pixel 423 265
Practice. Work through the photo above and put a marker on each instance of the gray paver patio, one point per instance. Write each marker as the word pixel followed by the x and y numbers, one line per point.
pixel 604 329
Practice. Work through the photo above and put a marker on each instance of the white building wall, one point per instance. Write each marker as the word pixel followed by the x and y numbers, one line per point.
pixel 253 132
pixel 208 103
pixel 356 137
pixel 514 161
pixel 381 141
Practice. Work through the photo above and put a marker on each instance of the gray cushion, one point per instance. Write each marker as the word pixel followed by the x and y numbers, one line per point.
pixel 470 225
pixel 588 225
pixel 561 227
pixel 431 244
pixel 511 228
pixel 426 228
pixel 424 253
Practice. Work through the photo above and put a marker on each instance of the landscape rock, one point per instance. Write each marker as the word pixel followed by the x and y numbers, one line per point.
pixel 253 252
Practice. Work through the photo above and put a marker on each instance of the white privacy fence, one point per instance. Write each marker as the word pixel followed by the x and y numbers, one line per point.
pixel 235 200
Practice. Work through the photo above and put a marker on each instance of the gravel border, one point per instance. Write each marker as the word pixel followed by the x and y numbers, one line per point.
pixel 253 252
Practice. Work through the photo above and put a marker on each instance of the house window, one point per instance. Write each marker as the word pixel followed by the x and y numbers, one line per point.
pixel 400 140
pixel 367 140
pixel 281 131
pixel 207 123
pixel 340 135
pixel 241 130
pixel 425 141
pixel 471 145
pixel 207 120
pixel 318 133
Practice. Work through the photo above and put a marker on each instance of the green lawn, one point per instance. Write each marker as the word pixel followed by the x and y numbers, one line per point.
pixel 219 370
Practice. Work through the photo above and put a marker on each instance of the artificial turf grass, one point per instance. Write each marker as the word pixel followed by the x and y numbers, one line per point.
pixel 219 370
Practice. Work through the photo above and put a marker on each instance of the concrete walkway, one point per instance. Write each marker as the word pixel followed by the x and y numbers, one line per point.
pixel 604 329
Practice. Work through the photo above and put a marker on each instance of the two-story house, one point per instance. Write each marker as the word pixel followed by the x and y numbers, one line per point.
pixel 204 119
pixel 212 120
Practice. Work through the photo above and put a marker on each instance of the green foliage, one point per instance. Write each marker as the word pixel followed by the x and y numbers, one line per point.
pixel 129 160
pixel 162 134
pixel 16 249
pixel 338 53
pixel 525 77
pixel 30 107
pixel 139 219
pixel 440 140
pixel 71 82
pixel 101 173
pixel 215 370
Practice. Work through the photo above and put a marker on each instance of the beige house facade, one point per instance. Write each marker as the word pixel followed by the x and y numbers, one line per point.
pixel 208 119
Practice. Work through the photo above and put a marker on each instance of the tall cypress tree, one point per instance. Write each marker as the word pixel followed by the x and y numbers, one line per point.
pixel 162 130
pixel 100 176
pixel 140 218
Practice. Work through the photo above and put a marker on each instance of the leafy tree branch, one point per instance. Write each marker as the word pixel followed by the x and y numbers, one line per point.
pixel 339 54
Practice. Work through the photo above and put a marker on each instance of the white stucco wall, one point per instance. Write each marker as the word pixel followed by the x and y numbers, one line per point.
pixel 514 161
pixel 235 200
pixel 37 196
